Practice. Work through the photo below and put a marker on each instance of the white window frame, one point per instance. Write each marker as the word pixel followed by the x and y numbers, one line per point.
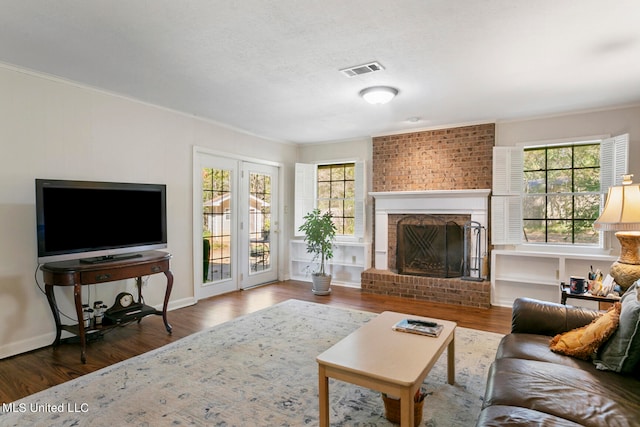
pixel 306 197
pixel 508 173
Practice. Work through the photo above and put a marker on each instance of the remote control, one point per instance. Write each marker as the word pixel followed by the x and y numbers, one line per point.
pixel 422 323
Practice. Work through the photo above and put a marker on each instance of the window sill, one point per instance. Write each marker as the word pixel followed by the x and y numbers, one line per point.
pixel 580 252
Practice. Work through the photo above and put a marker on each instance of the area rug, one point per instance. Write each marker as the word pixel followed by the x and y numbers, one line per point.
pixel 256 370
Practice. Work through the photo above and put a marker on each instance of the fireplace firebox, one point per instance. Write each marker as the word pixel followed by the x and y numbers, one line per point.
pixel 429 245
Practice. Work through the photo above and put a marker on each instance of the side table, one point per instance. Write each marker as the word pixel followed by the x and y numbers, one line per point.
pixel 588 297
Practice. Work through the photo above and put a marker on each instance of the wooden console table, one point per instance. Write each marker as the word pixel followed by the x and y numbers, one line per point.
pixel 75 273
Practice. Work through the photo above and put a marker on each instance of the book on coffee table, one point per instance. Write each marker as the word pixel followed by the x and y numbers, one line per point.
pixel 418 326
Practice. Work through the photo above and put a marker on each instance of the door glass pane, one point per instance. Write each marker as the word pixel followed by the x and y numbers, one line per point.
pixel 259 222
pixel 216 224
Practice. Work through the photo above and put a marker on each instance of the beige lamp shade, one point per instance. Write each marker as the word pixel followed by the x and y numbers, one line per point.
pixel 622 209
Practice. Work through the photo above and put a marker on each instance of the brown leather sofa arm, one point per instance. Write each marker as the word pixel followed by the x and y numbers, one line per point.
pixel 532 316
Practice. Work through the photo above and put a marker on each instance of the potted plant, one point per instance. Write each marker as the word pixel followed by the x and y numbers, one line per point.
pixel 319 232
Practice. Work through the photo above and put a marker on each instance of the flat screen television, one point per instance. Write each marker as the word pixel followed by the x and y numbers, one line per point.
pixel 98 221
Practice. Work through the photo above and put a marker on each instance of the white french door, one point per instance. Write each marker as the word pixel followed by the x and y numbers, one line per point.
pixel 259 225
pixel 235 224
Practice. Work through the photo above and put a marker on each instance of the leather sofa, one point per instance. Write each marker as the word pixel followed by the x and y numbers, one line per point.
pixel 529 385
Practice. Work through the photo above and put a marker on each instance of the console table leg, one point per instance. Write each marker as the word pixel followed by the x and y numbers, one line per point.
pixel 51 297
pixel 167 294
pixel 77 296
pixel 139 285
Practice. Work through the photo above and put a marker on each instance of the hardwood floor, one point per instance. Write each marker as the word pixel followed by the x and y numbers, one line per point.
pixel 31 372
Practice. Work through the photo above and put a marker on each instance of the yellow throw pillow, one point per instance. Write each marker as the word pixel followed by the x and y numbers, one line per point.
pixel 584 342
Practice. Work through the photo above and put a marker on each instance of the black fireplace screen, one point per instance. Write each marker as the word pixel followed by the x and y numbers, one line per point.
pixel 429 246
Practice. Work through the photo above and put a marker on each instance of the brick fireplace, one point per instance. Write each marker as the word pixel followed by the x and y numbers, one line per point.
pixel 445 173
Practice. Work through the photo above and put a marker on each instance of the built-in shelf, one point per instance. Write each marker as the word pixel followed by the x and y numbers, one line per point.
pixel 349 260
pixel 536 274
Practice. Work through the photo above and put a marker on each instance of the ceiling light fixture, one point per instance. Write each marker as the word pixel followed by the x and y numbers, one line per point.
pixel 378 94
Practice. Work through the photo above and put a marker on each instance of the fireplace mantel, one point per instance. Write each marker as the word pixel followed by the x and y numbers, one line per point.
pixel 430 202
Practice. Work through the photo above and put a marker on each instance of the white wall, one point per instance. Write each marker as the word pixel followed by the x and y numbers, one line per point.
pixel 50 128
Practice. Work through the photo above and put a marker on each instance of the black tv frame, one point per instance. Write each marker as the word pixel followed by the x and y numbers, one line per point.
pixel 118 213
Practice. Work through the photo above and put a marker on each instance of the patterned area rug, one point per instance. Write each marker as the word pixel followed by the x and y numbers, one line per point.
pixel 256 370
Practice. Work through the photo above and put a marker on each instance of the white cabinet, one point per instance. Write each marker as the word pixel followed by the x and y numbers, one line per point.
pixel 349 260
pixel 538 274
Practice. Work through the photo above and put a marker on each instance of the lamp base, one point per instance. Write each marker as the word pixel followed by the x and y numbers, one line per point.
pixel 624 274
pixel 626 270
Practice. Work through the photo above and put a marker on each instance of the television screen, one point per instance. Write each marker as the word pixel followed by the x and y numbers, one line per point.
pixel 80 219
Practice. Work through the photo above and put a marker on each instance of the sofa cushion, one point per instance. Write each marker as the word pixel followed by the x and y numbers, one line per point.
pixel 531 316
pixel 622 352
pixel 501 416
pixel 536 347
pixel 590 398
pixel 584 342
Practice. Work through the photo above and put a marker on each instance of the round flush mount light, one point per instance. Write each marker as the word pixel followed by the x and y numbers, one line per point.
pixel 378 94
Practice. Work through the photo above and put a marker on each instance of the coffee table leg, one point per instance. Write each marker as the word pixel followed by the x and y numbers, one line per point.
pixel 406 408
pixel 323 393
pixel 451 360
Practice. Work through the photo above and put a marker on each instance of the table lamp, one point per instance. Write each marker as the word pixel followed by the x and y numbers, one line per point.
pixel 622 214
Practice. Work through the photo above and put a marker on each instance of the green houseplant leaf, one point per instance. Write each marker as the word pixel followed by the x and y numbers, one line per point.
pixel 319 233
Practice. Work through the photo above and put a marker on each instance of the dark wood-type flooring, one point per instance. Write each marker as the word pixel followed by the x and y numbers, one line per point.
pixel 40 369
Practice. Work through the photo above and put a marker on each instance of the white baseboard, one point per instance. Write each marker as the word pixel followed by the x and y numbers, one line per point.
pixel 26 345
pixel 174 305
pixel 47 339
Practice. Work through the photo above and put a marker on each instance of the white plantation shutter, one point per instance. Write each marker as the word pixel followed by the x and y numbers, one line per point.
pixel 614 161
pixel 305 194
pixel 506 220
pixel 360 197
pixel 506 202
pixel 508 167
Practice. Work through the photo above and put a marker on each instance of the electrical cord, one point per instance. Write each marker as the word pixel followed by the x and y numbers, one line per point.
pixel 35 276
pixel 60 312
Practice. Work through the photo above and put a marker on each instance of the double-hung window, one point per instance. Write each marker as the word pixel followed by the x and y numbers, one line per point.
pixel 561 194
pixel 334 187
pixel 552 193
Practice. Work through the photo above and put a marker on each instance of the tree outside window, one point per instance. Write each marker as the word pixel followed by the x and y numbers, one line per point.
pixel 561 194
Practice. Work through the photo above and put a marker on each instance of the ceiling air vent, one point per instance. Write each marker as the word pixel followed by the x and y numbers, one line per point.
pixel 362 69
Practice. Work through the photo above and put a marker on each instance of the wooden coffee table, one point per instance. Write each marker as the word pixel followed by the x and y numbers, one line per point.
pixel 377 357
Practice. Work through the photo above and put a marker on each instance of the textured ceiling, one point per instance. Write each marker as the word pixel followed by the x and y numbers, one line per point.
pixel 271 68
